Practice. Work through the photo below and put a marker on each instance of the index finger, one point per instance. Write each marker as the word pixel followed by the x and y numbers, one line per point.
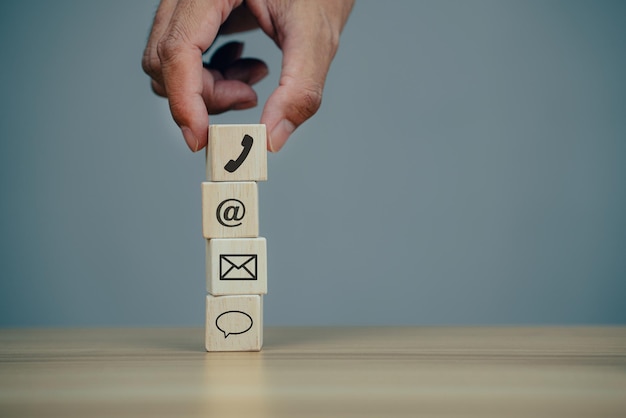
pixel 192 29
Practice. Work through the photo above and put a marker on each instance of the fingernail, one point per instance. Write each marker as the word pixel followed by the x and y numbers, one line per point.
pixel 244 105
pixel 190 138
pixel 280 134
pixel 258 76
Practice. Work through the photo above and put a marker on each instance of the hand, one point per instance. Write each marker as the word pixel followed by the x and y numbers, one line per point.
pixel 307 32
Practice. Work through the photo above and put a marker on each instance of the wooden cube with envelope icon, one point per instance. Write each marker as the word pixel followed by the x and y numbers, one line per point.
pixel 236 266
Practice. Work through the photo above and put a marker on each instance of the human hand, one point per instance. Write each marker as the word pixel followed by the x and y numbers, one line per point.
pixel 307 32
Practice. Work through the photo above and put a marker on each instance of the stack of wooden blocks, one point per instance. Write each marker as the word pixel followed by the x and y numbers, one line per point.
pixel 236 257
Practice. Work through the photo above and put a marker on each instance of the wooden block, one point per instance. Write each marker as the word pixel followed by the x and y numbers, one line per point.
pixel 230 210
pixel 234 323
pixel 236 266
pixel 237 153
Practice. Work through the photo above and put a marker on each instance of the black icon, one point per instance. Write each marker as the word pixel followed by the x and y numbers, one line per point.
pixel 238 266
pixel 228 212
pixel 233 165
pixel 235 323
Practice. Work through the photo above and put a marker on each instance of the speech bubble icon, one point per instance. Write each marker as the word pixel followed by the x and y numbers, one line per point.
pixel 233 323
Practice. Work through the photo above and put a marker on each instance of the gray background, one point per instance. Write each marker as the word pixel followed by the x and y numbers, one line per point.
pixel 468 166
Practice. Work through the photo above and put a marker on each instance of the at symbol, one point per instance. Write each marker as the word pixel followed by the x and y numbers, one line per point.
pixel 230 212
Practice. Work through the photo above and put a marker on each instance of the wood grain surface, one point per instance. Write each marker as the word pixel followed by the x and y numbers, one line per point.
pixel 344 372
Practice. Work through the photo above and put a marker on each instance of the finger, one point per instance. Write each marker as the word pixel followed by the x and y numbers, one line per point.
pixel 248 70
pixel 230 95
pixel 306 59
pixel 226 55
pixel 229 64
pixel 150 61
pixel 236 94
pixel 227 94
pixel 192 29
pixel 158 89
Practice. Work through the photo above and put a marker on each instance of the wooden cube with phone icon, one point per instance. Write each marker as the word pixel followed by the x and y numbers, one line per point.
pixel 237 153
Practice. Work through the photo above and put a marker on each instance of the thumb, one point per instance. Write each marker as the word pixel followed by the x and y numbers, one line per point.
pixel 291 104
pixel 307 54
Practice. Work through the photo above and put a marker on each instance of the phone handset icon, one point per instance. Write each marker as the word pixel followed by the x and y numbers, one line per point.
pixel 233 165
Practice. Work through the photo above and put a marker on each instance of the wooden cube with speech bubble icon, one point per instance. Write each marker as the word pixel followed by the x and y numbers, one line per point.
pixel 234 323
pixel 230 209
pixel 236 266
pixel 237 153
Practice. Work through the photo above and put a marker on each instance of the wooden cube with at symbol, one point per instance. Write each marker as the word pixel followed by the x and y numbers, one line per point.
pixel 230 210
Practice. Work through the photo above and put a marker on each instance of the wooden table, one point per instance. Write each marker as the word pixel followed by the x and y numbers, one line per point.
pixel 301 372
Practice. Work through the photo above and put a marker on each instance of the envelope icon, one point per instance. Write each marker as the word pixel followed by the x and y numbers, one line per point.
pixel 238 266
